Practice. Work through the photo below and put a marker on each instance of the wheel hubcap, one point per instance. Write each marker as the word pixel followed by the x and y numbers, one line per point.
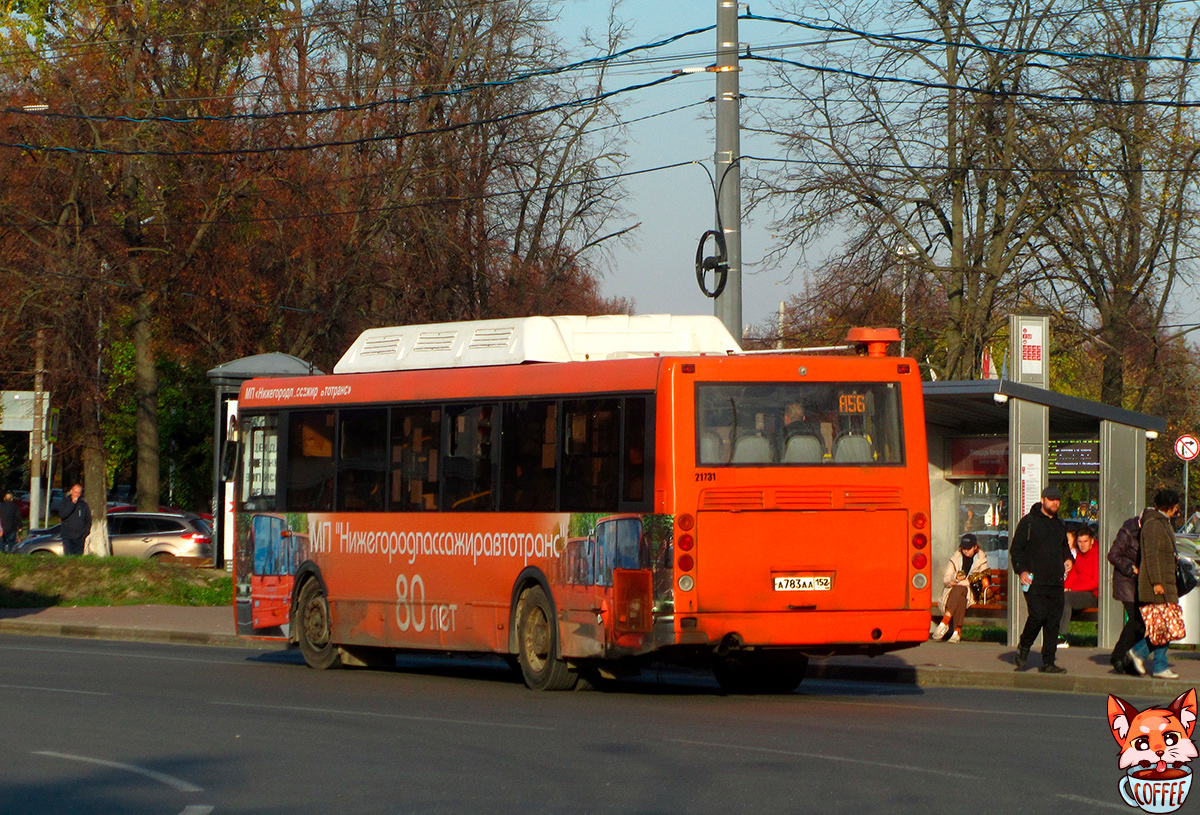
pixel 316 624
pixel 537 639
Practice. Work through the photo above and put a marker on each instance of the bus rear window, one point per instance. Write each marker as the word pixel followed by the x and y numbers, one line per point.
pixel 798 424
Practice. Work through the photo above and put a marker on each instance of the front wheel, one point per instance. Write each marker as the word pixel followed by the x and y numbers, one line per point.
pixel 313 630
pixel 537 644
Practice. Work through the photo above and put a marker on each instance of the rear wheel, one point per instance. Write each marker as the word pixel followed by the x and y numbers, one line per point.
pixel 537 644
pixel 313 631
pixel 749 673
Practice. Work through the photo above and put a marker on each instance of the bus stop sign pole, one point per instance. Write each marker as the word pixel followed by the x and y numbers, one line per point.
pixel 1187 447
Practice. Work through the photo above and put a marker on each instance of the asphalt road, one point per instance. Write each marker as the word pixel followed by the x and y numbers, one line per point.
pixel 103 727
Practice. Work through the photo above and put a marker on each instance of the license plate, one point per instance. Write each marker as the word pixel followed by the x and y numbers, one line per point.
pixel 804 583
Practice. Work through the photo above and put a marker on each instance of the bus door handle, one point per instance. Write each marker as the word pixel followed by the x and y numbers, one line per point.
pixel 813 607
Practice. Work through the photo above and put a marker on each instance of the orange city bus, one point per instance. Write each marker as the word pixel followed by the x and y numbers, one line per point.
pixel 586 494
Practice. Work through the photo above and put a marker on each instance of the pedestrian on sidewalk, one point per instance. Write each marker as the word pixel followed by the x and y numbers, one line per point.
pixel 1041 557
pixel 1082 583
pixel 76 521
pixel 1156 580
pixel 966 566
pixel 1125 554
pixel 10 522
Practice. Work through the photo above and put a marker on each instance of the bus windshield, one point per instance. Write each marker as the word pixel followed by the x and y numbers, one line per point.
pixel 798 424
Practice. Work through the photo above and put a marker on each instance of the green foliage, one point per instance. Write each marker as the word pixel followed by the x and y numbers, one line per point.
pixel 39 582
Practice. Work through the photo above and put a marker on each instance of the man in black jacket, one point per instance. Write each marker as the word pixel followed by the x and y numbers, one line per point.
pixel 76 519
pixel 1041 557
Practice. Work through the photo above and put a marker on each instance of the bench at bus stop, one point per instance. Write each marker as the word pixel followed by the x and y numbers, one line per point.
pixel 996 606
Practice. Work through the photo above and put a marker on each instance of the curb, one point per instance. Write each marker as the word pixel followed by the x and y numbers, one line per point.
pixel 104 632
pixel 922 676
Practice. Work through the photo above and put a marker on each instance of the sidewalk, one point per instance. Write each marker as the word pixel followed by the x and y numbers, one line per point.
pixel 967 664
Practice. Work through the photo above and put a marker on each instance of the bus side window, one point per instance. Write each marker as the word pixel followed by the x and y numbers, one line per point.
pixel 592 435
pixel 260 454
pixel 469 459
pixel 416 436
pixel 310 471
pixel 528 456
pixel 634 471
pixel 362 463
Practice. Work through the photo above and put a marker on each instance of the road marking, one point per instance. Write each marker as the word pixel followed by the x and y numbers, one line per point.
pixel 163 778
pixel 1092 802
pixel 102 653
pixel 384 716
pixel 827 757
pixel 196 810
pixel 971 710
pixel 55 690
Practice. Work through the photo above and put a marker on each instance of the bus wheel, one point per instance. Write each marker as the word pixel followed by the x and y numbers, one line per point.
pixel 537 644
pixel 312 628
pixel 743 673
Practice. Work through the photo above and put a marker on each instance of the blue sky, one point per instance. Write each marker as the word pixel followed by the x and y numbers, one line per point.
pixel 657 267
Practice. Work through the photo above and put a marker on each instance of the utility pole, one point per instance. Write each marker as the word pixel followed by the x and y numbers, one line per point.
pixel 35 438
pixel 728 306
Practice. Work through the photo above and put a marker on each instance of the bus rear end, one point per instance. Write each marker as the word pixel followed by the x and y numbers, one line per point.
pixel 801 506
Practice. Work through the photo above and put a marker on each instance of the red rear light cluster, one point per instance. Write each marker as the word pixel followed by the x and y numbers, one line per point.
pixel 196 537
pixel 685 543
pixel 919 520
pixel 919 541
pixel 919 560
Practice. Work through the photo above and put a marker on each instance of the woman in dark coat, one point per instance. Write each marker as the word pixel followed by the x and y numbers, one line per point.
pixel 1156 578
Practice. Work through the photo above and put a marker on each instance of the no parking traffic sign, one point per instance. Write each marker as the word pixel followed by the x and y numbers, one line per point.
pixel 1187 447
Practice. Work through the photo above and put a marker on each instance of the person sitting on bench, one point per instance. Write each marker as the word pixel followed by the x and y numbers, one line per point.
pixel 966 566
pixel 1082 582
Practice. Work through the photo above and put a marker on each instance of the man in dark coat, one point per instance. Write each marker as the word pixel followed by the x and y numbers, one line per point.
pixel 10 521
pixel 76 520
pixel 1041 557
pixel 1125 555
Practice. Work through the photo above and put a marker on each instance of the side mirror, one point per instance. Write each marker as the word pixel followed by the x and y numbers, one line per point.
pixel 229 460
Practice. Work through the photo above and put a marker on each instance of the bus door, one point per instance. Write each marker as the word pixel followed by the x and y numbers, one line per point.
pixel 273 575
pixel 624 583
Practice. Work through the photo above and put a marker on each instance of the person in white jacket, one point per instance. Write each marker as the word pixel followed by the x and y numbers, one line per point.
pixel 965 566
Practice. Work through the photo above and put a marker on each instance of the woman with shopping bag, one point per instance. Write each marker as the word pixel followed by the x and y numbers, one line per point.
pixel 1157 596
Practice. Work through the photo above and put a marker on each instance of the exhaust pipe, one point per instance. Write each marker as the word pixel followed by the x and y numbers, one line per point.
pixel 730 642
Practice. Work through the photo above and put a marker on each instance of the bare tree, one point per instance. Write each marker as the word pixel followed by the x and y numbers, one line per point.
pixel 920 145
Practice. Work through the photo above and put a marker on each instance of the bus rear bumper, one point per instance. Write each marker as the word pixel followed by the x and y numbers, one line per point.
pixel 816 632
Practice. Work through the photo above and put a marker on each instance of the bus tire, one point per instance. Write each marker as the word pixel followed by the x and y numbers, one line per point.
pixel 743 673
pixel 537 644
pixel 313 630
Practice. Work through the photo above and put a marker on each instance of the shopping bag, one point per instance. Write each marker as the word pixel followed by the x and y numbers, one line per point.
pixel 1164 623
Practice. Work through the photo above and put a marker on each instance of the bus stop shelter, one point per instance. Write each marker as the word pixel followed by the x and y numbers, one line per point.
pixel 1017 438
pixel 227 380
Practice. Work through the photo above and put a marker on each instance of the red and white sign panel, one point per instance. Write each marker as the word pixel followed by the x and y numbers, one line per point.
pixel 1187 447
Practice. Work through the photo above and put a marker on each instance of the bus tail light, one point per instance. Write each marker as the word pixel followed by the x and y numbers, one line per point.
pixel 687 583
pixel 919 541
pixel 686 522
pixel 687 563
pixel 686 542
pixel 919 520
pixel 919 560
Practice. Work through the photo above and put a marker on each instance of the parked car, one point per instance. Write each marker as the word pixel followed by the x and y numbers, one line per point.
pixel 137 534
